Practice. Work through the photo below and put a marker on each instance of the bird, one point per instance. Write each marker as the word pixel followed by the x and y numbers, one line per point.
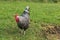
pixel 23 19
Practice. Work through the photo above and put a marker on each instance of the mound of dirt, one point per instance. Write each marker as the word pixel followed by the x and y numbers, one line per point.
pixel 52 31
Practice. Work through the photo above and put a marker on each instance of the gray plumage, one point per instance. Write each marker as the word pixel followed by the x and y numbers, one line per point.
pixel 24 19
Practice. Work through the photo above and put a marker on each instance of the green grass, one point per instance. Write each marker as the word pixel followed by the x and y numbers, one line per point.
pixel 39 12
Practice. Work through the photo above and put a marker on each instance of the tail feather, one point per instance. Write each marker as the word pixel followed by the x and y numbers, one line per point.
pixel 26 11
pixel 27 8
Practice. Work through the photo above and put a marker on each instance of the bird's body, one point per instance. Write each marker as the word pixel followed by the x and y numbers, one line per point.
pixel 23 20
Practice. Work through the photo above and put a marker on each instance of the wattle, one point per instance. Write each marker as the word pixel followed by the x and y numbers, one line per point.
pixel 17 19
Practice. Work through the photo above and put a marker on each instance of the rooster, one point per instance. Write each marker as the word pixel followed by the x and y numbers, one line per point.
pixel 23 20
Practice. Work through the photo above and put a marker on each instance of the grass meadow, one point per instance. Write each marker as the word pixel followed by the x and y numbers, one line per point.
pixel 39 13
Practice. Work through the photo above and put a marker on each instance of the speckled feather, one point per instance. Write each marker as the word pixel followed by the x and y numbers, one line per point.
pixel 24 19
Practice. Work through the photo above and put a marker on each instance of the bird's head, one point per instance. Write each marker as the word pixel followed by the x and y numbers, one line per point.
pixel 17 18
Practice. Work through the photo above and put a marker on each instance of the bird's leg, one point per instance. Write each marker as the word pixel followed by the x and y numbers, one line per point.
pixel 24 32
pixel 21 32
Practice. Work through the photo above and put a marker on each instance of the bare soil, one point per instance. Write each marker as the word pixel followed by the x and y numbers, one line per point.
pixel 52 31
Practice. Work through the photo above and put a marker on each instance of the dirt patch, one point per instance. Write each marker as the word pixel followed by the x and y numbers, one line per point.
pixel 52 31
